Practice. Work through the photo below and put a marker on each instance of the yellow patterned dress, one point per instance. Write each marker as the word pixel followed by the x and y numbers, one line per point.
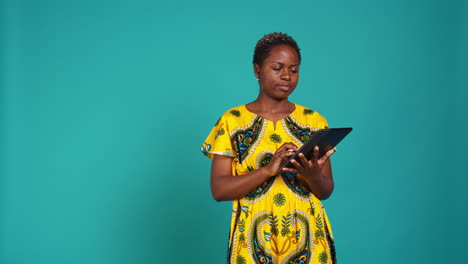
pixel 280 221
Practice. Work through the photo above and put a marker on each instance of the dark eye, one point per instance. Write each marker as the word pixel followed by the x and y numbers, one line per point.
pixel 276 68
pixel 294 70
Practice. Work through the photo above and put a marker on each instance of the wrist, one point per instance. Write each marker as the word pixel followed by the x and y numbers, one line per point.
pixel 267 171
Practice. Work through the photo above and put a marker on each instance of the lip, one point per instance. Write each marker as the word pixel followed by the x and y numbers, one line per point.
pixel 284 87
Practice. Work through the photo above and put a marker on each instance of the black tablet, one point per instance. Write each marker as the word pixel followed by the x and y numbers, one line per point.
pixel 325 139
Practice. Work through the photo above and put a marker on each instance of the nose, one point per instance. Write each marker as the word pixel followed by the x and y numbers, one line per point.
pixel 285 76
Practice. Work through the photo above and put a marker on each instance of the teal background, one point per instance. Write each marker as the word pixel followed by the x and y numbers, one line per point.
pixel 104 106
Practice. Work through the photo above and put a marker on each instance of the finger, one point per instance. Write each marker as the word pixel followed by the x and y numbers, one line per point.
pixel 282 155
pixel 287 156
pixel 290 170
pixel 316 155
pixel 283 152
pixel 327 155
pixel 279 158
pixel 286 153
pixel 288 146
pixel 304 160
pixel 296 164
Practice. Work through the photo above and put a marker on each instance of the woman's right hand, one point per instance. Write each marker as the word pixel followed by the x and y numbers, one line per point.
pixel 226 187
pixel 283 153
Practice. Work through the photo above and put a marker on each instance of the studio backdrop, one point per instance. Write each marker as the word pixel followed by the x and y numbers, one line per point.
pixel 105 105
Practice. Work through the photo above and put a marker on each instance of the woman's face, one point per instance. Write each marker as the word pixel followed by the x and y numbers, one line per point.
pixel 279 74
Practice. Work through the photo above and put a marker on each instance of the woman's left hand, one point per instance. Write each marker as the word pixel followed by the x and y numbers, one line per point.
pixel 316 172
pixel 313 167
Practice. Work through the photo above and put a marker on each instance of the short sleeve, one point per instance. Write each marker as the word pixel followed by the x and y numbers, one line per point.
pixel 321 121
pixel 218 141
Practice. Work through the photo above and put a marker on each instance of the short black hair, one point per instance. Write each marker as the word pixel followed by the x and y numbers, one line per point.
pixel 265 44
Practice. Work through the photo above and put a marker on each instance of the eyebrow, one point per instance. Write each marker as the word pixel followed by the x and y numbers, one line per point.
pixel 283 63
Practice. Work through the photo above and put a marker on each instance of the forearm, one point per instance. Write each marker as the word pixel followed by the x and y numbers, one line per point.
pixel 229 187
pixel 225 186
pixel 321 184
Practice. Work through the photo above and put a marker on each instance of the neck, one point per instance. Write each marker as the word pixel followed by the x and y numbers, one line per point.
pixel 271 105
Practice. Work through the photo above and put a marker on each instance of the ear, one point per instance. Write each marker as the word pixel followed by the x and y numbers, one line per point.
pixel 257 71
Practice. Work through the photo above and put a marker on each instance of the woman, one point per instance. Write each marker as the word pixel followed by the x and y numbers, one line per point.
pixel 277 216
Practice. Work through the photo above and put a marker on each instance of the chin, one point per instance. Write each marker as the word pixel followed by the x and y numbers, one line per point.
pixel 283 96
